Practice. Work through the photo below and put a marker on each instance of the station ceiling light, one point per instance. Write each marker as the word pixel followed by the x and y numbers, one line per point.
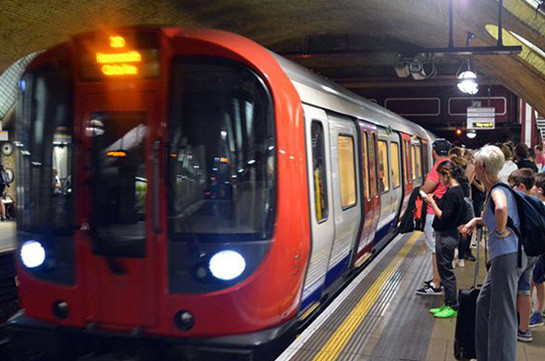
pixel 467 78
pixel 471 134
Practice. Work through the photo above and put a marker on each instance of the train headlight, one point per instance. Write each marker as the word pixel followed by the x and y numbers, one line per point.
pixel 227 265
pixel 32 254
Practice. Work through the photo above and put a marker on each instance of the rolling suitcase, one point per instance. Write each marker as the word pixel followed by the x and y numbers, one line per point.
pixel 464 339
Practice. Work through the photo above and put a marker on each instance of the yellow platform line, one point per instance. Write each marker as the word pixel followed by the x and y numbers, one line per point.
pixel 340 338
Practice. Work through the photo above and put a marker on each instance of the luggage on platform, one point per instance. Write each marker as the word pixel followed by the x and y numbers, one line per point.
pixel 464 338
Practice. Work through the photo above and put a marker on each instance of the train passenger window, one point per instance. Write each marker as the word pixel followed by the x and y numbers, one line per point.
pixel 347 170
pixel 394 153
pixel 366 172
pixel 222 153
pixel 418 162
pixel 46 159
pixel 413 159
pixel 319 171
pixel 383 173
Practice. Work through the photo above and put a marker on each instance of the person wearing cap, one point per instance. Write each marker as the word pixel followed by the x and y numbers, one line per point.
pixel 432 185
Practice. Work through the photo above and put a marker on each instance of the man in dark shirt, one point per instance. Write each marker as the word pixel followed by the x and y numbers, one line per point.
pixel 522 156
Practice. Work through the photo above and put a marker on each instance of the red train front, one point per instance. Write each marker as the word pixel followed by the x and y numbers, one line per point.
pixel 160 172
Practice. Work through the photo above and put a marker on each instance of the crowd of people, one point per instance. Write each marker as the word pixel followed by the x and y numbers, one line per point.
pixel 462 197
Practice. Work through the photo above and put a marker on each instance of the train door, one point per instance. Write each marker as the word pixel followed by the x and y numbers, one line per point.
pixel 374 176
pixel 417 162
pixel 119 264
pixel 395 173
pixel 344 169
pixel 386 184
pixel 369 199
pixel 321 202
pixel 406 163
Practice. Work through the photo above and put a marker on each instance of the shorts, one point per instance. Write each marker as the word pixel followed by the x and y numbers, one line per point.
pixel 539 271
pixel 524 284
pixel 430 232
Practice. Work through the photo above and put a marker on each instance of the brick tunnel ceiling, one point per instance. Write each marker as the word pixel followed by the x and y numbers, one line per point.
pixel 391 26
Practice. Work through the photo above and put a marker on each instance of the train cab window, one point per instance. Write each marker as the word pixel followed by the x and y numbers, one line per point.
pixel 373 169
pixel 383 172
pixel 46 152
pixel 319 171
pixel 418 162
pixel 367 180
pixel 407 162
pixel 394 154
pixel 413 161
pixel 119 182
pixel 222 153
pixel 347 171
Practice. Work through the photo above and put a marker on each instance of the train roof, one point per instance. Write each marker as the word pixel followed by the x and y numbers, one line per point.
pixel 319 91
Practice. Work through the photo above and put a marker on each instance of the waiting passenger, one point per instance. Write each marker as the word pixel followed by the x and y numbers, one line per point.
pixel 522 157
pixel 496 317
pixel 449 215
pixel 523 180
pixel 509 166
pixel 432 185
pixel 538 279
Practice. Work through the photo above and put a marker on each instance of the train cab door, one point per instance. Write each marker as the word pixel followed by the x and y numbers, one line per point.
pixel 321 202
pixel 118 210
pixel 373 176
pixel 368 194
pixel 343 137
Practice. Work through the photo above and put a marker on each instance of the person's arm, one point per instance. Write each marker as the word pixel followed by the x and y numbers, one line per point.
pixel 431 201
pixel 478 185
pixel 429 185
pixel 500 211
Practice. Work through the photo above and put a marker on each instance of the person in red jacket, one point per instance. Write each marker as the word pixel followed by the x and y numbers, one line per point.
pixel 432 185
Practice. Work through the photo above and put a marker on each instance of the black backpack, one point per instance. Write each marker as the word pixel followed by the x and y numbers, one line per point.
pixel 531 212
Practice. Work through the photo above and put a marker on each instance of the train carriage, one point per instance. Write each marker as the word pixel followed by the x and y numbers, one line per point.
pixel 191 188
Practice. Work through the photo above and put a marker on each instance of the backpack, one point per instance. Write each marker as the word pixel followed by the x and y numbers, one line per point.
pixel 531 233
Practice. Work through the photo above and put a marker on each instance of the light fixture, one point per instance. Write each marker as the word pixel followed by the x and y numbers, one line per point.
pixel 471 134
pixel 467 79
pixel 227 265
pixel 32 254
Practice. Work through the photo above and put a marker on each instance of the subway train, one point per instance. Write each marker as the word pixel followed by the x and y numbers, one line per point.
pixel 189 191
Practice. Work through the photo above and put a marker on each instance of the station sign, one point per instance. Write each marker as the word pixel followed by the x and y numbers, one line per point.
pixel 481 118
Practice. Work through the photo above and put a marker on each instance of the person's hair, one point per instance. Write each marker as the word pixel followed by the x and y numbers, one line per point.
pixel 506 151
pixel 531 153
pixel 539 147
pixel 491 158
pixel 521 150
pixel 456 151
pixel 458 160
pixel 524 176
pixel 540 181
pixel 455 171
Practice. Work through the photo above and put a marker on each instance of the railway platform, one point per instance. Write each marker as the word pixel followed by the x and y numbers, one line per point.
pixel 379 316
pixel 7 236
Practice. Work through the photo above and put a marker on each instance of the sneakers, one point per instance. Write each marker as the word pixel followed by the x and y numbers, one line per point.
pixel 470 257
pixel 429 290
pixel 524 336
pixel 446 312
pixel 536 319
pixel 435 310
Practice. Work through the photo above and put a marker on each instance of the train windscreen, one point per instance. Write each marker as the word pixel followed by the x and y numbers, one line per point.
pixel 44 138
pixel 221 180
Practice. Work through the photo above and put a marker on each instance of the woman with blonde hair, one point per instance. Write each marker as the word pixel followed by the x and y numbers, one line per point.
pixel 496 318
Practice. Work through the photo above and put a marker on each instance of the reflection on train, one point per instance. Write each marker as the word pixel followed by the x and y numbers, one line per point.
pixel 191 188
